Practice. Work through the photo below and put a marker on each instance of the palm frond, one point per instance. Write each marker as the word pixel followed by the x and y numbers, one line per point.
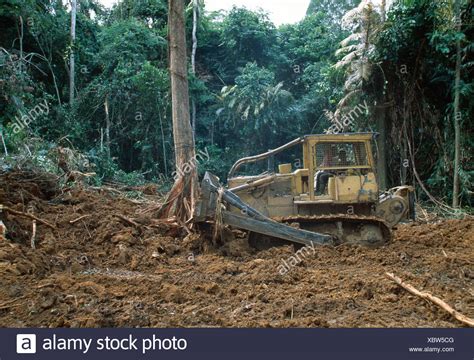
pixel 350 38
pixel 347 49
pixel 346 60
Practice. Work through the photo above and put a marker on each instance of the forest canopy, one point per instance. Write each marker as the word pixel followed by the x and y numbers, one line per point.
pixel 255 85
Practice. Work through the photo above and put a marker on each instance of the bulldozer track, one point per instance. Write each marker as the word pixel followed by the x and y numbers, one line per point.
pixel 362 219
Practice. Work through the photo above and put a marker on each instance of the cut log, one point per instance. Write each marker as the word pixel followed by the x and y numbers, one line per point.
pixel 435 300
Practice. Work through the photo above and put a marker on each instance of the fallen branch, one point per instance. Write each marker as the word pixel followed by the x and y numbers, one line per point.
pixel 45 285
pixel 152 209
pixel 437 301
pixel 102 188
pixel 7 304
pixel 183 225
pixel 170 220
pixel 33 235
pixel 19 213
pixel 78 219
pixel 128 221
pixel 77 175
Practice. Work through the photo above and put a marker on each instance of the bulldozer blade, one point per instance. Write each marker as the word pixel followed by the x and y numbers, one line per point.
pixel 206 205
pixel 276 229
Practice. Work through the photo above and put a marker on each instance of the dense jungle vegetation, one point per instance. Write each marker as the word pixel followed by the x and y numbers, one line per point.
pixel 254 86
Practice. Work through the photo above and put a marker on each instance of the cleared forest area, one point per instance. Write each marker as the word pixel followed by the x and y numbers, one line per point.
pixel 109 262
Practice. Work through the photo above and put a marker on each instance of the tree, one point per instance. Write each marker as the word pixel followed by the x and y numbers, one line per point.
pixel 247 37
pixel 417 51
pixel 193 57
pixel 457 128
pixel 256 109
pixel 334 9
pixel 180 200
pixel 136 85
pixel 71 61
pixel 365 22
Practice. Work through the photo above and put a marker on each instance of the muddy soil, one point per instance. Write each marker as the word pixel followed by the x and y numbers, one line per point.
pixel 110 263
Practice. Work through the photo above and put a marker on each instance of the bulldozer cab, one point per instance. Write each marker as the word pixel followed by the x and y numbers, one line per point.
pixel 340 168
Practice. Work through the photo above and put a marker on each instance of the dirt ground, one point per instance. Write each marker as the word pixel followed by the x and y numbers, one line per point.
pixel 110 263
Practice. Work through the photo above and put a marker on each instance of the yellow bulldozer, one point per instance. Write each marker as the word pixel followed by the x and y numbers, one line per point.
pixel 330 197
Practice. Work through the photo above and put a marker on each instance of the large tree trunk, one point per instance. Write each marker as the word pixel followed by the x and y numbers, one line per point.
pixel 71 60
pixel 180 200
pixel 193 60
pixel 457 114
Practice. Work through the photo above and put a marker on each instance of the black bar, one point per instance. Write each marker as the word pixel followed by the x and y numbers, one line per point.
pixel 244 344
